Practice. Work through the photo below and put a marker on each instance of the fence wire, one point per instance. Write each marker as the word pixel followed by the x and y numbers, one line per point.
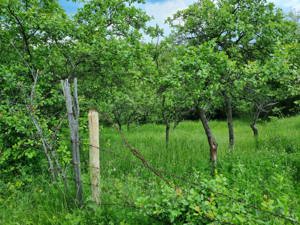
pixel 168 177
pixel 194 184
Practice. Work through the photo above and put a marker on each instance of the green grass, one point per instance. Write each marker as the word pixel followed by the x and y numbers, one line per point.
pixel 189 149
pixel 270 168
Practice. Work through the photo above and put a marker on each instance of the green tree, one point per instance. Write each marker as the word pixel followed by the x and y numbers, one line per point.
pixel 165 84
pixel 110 56
pixel 271 82
pixel 200 88
pixel 244 30
pixel 31 65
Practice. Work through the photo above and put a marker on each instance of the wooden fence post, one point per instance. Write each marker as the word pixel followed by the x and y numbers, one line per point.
pixel 94 154
pixel 73 117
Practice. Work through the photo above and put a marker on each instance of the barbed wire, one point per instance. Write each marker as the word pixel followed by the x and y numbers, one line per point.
pixel 194 184
pixel 134 162
pixel 163 174
pixel 186 180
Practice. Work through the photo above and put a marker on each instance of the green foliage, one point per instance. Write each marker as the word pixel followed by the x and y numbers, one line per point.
pixel 266 178
pixel 55 47
pixel 197 66
pixel 245 32
pixel 246 50
pixel 31 65
pixel 213 202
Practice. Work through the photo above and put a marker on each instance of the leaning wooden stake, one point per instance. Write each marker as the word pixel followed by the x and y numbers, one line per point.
pixel 73 117
pixel 94 154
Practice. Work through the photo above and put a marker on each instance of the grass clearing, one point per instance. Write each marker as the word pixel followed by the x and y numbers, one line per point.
pixel 271 169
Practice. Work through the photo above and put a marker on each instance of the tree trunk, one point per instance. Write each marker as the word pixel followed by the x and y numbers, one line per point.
pixel 130 120
pixel 254 129
pixel 117 119
pixel 167 134
pixel 256 113
pixel 128 126
pixel 255 133
pixel 228 105
pixel 119 124
pixel 253 126
pixel 211 140
pixel 45 145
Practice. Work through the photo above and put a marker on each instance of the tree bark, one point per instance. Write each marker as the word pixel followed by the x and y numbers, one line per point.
pixel 228 105
pixel 255 133
pixel 119 124
pixel 166 122
pixel 254 129
pixel 211 140
pixel 128 126
pixel 254 121
pixel 45 145
pixel 167 134
pixel 128 122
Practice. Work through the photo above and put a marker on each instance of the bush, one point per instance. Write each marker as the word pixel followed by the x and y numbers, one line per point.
pixel 212 202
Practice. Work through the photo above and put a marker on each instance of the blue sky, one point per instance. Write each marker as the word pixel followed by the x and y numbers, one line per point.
pixel 162 9
pixel 69 6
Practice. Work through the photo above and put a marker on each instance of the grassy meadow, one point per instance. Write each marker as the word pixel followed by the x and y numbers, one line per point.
pixel 268 167
pixel 188 148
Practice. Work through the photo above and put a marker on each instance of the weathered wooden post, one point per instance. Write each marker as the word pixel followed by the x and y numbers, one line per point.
pixel 73 117
pixel 94 154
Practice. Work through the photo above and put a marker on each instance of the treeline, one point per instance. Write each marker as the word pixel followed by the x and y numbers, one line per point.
pixel 223 58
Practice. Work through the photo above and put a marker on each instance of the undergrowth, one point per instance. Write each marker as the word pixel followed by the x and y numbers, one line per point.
pixel 257 183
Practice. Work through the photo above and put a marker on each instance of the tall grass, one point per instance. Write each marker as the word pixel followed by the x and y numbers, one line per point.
pixel 271 167
pixel 189 149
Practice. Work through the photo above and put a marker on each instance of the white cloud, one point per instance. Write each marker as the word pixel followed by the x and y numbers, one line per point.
pixel 287 5
pixel 166 8
pixel 162 10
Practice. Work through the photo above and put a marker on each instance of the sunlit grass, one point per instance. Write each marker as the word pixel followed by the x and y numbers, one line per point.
pixel 188 146
pixel 270 168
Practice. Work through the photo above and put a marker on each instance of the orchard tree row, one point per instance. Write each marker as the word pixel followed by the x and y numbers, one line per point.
pixel 231 57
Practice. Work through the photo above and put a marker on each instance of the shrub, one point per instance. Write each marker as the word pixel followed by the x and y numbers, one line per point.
pixel 212 202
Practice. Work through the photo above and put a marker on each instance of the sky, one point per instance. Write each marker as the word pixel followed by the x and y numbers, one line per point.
pixel 162 9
